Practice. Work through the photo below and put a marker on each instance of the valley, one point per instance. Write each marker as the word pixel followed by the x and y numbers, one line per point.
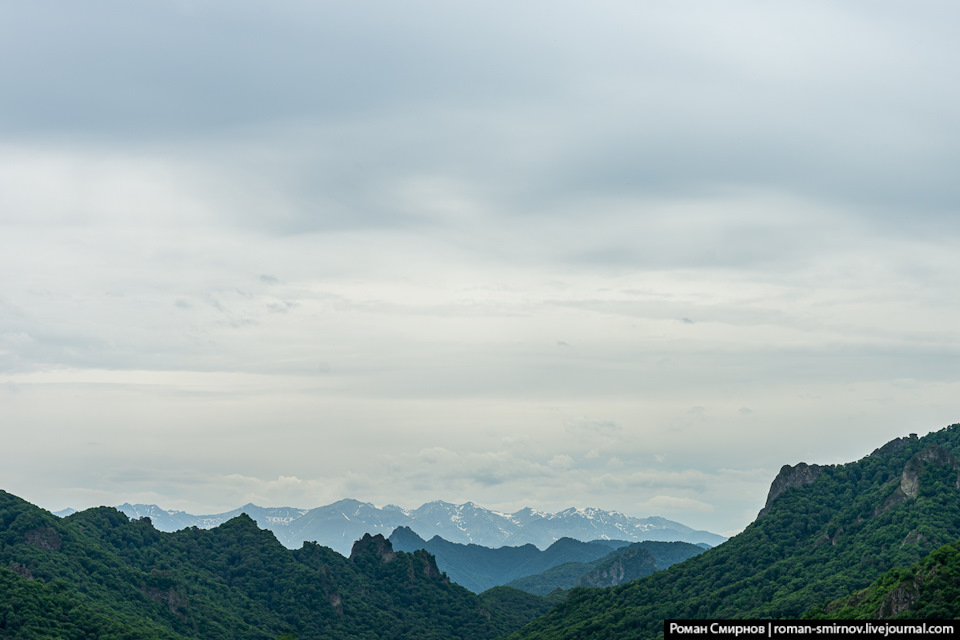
pixel 872 538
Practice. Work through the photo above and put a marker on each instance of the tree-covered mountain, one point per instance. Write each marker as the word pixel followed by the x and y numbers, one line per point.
pixel 826 532
pixel 97 574
pixel 929 588
pixel 637 560
pixel 480 568
pixel 624 564
pixel 337 525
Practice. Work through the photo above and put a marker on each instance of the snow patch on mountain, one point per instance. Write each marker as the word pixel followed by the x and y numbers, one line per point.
pixel 339 524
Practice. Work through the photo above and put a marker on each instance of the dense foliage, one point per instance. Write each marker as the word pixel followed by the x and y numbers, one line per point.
pixel 517 607
pixel 928 589
pixel 561 577
pixel 96 574
pixel 817 542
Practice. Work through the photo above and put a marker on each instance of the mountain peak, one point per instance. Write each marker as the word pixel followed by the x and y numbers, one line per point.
pixel 894 445
pixel 791 478
pixel 406 539
pixel 339 524
pixel 376 546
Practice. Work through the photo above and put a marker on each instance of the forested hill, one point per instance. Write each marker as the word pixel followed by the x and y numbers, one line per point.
pixel 825 533
pixel 929 588
pixel 97 575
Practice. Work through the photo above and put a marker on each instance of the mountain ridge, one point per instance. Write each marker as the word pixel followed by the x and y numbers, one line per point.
pixel 479 568
pixel 98 575
pixel 814 542
pixel 339 524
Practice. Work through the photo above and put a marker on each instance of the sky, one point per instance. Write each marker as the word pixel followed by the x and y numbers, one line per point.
pixel 627 255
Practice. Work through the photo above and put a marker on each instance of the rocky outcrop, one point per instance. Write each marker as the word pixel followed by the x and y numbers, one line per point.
pixel 368 550
pixel 45 538
pixel 428 565
pixel 174 600
pixel 791 478
pixel 336 601
pixel 894 445
pixel 910 478
pixel 376 546
pixel 635 562
pixel 899 600
pixel 21 570
pixel 932 455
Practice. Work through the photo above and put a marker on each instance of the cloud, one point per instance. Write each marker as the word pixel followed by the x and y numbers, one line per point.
pixel 190 228
pixel 592 427
pixel 674 504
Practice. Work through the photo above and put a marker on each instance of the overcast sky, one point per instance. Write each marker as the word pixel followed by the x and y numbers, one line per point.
pixel 627 255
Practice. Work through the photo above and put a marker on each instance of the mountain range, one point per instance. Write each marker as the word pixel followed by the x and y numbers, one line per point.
pixel 480 568
pixel 622 565
pixel 562 565
pixel 97 575
pixel 340 524
pixel 878 537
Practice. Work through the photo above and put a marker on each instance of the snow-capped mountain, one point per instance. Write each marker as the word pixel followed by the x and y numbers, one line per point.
pixel 339 524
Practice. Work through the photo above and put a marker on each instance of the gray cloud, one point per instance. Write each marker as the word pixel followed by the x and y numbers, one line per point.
pixel 200 202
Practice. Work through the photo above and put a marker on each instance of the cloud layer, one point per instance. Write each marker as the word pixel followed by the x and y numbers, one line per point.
pixel 629 256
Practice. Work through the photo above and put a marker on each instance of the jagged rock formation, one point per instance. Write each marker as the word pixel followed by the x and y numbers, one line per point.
pixel 791 478
pixel 894 445
pixel 380 549
pixel 377 546
pixel 933 455
pixel 898 600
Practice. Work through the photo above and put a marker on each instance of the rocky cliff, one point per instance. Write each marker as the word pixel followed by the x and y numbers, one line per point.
pixel 791 478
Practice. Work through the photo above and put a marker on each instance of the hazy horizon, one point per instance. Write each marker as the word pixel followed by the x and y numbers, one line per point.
pixel 630 256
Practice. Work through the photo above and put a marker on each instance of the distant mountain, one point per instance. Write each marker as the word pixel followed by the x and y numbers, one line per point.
pixel 480 568
pixel 339 524
pixel 554 580
pixel 96 574
pixel 883 528
pixel 624 564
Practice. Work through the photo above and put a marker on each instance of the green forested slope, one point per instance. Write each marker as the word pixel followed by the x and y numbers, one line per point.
pixel 95 574
pixel 816 542
pixel 561 577
pixel 624 564
pixel 928 589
